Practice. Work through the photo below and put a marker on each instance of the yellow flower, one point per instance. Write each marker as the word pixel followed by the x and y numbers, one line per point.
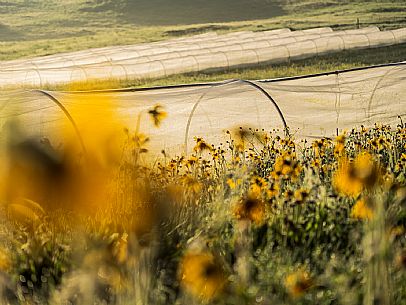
pixel 201 145
pixel 397 231
pixel 201 275
pixel 191 161
pixel 339 148
pixel 273 190
pixel 345 181
pixel 231 183
pixel 5 261
pixel 284 164
pixel 157 115
pixel 250 208
pixel 352 178
pixel 276 175
pixel 298 282
pixel 121 249
pixel 257 185
pixel 400 259
pixel 191 184
pixel 361 210
pixel 301 195
pixel 319 146
pixel 316 163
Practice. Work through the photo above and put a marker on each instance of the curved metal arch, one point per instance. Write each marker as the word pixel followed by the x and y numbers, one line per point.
pixel 248 82
pixel 369 41
pixel 395 40
pixel 78 68
pixel 189 121
pixel 122 68
pixel 264 92
pixel 337 104
pixel 36 71
pixel 376 88
pixel 67 114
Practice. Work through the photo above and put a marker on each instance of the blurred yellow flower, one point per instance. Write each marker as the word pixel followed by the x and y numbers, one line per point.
pixel 257 185
pixel 231 183
pixel 201 146
pixel 286 166
pixel 272 190
pixel 361 210
pixel 191 184
pixel 5 260
pixel 201 275
pixel 250 208
pixel 301 195
pixel 339 147
pixel 298 283
pixel 157 114
pixel 352 177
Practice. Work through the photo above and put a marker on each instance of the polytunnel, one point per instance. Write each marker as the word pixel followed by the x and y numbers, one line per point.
pixel 305 107
pixel 194 54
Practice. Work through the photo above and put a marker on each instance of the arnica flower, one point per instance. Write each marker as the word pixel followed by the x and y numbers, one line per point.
pixel 233 183
pixel 361 210
pixel 250 208
pixel 276 175
pixel 402 158
pixel 257 185
pixel 318 147
pixel 352 178
pixel 301 195
pixel 191 184
pixel 5 261
pixel 272 190
pixel 120 249
pixel 382 143
pixel 298 283
pixel 191 161
pixel 288 194
pixel 396 231
pixel 339 147
pixel 201 146
pixel 201 275
pixel 315 163
pixel 217 154
pixel 401 259
pixel 240 135
pixel 157 115
pixel 171 167
pixel 286 166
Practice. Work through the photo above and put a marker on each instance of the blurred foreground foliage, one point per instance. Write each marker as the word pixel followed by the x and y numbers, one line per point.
pixel 260 219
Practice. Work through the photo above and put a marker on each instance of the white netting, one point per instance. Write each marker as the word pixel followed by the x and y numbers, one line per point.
pixel 312 106
pixel 194 54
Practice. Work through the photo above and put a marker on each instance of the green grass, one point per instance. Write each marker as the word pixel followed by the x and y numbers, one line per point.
pixel 34 28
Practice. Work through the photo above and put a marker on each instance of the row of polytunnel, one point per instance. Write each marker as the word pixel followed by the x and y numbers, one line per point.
pixel 204 52
pixel 306 107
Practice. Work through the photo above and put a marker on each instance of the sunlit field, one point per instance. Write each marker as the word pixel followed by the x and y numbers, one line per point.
pixel 137 174
pixel 260 219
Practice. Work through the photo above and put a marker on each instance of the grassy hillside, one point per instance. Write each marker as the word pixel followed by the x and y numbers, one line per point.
pixel 40 27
